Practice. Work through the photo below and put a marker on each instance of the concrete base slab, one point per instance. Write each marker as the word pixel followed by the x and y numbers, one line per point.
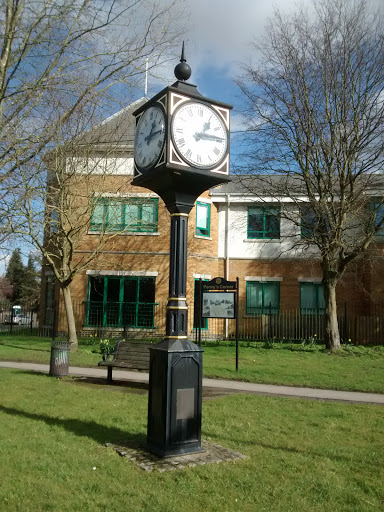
pixel 212 454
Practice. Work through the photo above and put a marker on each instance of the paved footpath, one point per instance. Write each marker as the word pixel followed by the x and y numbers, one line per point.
pixel 217 384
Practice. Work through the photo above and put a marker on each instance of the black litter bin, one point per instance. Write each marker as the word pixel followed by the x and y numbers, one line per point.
pixel 59 358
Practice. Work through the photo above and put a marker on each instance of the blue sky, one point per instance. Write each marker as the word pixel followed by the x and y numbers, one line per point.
pixel 218 42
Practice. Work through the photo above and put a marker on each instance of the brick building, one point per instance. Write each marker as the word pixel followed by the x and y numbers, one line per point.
pixel 232 233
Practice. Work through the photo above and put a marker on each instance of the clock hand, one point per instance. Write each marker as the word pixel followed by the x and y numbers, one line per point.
pixel 207 136
pixel 206 127
pixel 156 132
pixel 149 137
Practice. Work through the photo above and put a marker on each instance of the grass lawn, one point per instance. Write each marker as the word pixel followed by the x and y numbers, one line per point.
pixel 301 455
pixel 353 369
pixel 38 350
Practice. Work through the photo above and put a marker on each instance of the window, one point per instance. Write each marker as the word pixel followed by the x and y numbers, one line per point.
pixel 196 307
pixel 53 221
pixel 203 214
pixel 49 299
pixel 378 209
pixel 312 299
pixel 136 214
pixel 121 301
pixel 262 298
pixel 263 222
pixel 308 222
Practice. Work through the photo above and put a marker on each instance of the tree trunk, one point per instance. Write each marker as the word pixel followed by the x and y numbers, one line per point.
pixel 332 334
pixel 72 335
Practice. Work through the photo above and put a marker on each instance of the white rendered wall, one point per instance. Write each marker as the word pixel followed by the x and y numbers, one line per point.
pixel 240 247
pixel 93 165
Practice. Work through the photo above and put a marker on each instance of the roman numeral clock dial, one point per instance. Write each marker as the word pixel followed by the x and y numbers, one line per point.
pixel 150 137
pixel 199 135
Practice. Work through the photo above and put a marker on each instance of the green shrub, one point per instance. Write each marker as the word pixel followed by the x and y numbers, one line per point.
pixel 107 347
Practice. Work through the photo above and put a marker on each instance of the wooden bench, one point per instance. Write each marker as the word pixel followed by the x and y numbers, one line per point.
pixel 132 355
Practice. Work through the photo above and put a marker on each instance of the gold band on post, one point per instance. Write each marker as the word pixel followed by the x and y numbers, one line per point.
pixel 179 214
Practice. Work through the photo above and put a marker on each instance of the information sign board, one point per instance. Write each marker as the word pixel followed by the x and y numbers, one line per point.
pixel 218 305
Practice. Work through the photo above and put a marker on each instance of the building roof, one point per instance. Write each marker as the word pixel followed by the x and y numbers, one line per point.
pixel 256 184
pixel 118 129
pixel 282 185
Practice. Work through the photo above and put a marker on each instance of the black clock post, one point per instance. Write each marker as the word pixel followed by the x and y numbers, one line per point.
pixel 179 176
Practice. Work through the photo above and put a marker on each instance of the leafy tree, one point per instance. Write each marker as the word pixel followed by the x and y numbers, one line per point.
pixel 31 284
pixel 5 289
pixel 315 108
pixel 15 274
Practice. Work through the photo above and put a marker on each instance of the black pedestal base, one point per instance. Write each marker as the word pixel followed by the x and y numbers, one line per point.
pixel 175 398
pixel 175 452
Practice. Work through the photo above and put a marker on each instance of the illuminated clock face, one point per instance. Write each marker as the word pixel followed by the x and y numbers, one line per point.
pixel 149 138
pixel 199 135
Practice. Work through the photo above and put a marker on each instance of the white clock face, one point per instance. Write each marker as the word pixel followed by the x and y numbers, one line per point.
pixel 199 135
pixel 149 138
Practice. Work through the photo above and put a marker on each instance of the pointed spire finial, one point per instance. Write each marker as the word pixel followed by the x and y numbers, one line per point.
pixel 183 70
pixel 182 58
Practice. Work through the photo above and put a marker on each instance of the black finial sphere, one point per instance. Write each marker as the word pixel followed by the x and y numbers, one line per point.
pixel 183 70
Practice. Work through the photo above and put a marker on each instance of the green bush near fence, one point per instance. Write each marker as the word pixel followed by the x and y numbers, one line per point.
pixel 292 364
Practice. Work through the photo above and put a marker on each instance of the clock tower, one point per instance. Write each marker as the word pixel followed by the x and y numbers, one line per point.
pixel 181 149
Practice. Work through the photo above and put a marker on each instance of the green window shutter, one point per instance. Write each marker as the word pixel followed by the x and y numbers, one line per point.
pixel 312 299
pixel 262 298
pixel 203 213
pixel 149 215
pixel 307 296
pixel 271 299
pixel 132 216
pixel 141 215
pixel 115 216
pixel 263 222
pixel 99 215
pixel 320 297
pixel 254 297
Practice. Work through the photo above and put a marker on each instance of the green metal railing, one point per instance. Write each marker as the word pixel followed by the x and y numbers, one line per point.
pixel 120 314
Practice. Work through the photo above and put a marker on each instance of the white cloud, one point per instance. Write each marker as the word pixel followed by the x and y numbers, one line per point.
pixel 219 35
pixel 222 30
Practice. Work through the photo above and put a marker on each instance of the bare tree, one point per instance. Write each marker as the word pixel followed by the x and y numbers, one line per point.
pixel 315 108
pixel 62 57
pixel 63 65
pixel 59 213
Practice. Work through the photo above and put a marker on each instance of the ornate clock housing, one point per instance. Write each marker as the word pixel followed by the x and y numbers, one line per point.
pixel 182 139
pixel 199 134
pixel 149 138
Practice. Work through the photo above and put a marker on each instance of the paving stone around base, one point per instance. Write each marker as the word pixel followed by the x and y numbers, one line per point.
pixel 213 454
